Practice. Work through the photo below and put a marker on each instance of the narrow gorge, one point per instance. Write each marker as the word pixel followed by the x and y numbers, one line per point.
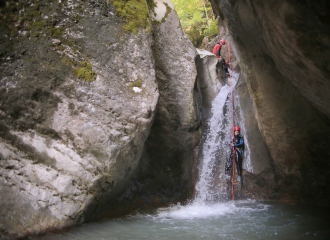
pixel 107 107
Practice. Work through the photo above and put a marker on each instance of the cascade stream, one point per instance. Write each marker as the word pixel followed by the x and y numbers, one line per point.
pixel 211 186
pixel 210 215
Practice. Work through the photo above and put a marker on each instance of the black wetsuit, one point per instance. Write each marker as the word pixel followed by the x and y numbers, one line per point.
pixel 239 146
pixel 224 65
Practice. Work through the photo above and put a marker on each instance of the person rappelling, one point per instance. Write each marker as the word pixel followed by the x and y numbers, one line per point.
pixel 236 148
pixel 216 51
pixel 217 48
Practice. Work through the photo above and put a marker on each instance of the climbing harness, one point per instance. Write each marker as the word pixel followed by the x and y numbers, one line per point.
pixel 232 117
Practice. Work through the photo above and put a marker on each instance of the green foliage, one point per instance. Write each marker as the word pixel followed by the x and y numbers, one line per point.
pixel 134 12
pixel 82 70
pixel 85 72
pixel 168 11
pixel 136 83
pixel 36 34
pixel 70 61
pixel 39 24
pixel 151 5
pixel 197 19
pixel 56 32
pixel 35 14
pixel 11 20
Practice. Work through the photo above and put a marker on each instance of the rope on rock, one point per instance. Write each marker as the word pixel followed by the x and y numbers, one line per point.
pixel 232 117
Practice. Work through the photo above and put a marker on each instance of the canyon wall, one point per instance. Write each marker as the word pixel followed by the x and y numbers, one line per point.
pixel 283 54
pixel 97 113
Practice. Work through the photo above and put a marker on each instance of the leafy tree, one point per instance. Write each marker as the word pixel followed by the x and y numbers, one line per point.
pixel 197 19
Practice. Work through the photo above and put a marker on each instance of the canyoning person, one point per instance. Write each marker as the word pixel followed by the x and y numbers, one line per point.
pixel 225 65
pixel 216 51
pixel 217 48
pixel 236 147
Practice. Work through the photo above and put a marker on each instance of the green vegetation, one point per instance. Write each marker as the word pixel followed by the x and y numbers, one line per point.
pixel 197 19
pixel 136 83
pixel 134 12
pixel 168 11
pixel 85 72
pixel 151 4
pixel 36 34
pixel 70 61
pixel 56 32
pixel 82 70
pixel 39 24
pixel 11 20
pixel 34 14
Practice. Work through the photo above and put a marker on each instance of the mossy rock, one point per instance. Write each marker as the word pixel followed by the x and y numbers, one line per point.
pixel 134 12
pixel 85 72
pixel 168 11
pixel 69 61
pixel 56 32
pixel 39 24
pixel 136 83
pixel 152 5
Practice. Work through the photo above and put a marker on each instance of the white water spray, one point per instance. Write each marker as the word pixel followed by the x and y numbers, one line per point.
pixel 211 184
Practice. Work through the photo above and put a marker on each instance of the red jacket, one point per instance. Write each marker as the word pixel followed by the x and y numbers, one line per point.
pixel 216 50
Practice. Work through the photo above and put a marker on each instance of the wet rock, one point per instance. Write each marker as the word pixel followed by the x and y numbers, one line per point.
pixel 283 62
pixel 67 143
pixel 175 132
pixel 209 77
pixel 95 121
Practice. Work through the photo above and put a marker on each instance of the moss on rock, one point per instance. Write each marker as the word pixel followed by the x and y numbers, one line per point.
pixel 151 5
pixel 85 72
pixel 69 61
pixel 136 83
pixel 134 12
pixel 168 11
pixel 56 32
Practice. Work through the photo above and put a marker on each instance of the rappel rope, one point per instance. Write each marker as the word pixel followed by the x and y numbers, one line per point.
pixel 232 117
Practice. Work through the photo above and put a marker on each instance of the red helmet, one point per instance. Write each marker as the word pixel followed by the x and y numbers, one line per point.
pixel 237 128
pixel 223 41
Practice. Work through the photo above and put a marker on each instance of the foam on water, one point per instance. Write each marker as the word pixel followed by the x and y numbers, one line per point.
pixel 196 210
pixel 219 125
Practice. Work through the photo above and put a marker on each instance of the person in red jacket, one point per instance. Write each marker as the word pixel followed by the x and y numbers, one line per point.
pixel 216 51
pixel 217 48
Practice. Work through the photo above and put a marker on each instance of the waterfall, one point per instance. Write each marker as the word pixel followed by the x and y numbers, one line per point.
pixel 211 186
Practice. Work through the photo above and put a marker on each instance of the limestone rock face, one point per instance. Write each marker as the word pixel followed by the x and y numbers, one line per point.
pixel 66 143
pixel 282 48
pixel 209 76
pixel 174 137
pixel 94 120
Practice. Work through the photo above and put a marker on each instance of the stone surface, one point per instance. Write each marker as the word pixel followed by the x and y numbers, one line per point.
pixel 175 134
pixel 282 50
pixel 66 144
pixel 209 81
pixel 74 150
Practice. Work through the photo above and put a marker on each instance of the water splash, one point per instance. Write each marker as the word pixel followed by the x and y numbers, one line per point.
pixel 206 211
pixel 211 178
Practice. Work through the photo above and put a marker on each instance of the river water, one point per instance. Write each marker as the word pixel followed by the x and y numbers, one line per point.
pixel 209 215
pixel 229 220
